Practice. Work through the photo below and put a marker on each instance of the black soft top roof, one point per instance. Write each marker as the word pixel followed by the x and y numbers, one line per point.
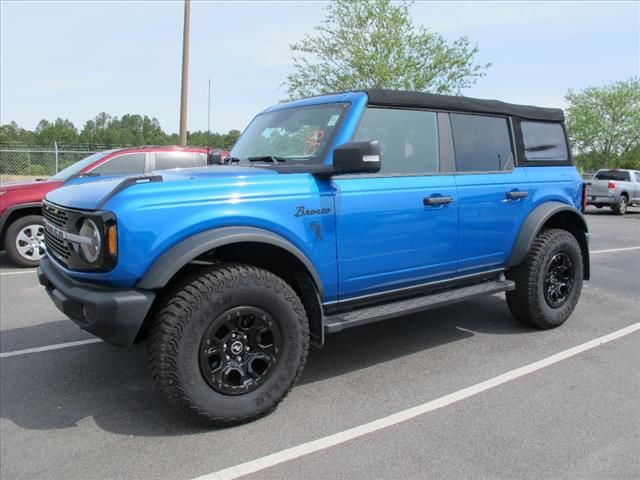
pixel 399 98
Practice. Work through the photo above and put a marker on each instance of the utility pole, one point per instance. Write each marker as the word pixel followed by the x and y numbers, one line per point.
pixel 185 74
pixel 209 110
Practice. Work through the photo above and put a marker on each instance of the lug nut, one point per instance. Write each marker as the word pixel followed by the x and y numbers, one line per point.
pixel 247 348
pixel 238 358
pixel 227 357
pixel 233 335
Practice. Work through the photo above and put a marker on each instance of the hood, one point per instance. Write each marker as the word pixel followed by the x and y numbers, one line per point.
pixel 90 193
pixel 30 185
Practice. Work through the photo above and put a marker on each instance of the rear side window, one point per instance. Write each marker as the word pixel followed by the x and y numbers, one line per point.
pixel 612 175
pixel 169 160
pixel 408 139
pixel 481 143
pixel 122 165
pixel 544 142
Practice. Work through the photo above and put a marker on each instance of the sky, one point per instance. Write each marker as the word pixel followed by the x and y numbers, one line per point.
pixel 75 59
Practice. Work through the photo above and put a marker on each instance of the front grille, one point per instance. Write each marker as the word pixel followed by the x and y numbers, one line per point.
pixel 58 217
pixel 55 215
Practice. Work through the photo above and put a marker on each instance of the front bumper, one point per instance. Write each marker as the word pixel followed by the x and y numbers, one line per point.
pixel 111 314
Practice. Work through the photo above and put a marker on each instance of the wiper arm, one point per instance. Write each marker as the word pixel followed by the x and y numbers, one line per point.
pixel 267 158
pixel 230 160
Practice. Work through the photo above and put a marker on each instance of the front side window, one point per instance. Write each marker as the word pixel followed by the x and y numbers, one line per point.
pixel 544 142
pixel 481 143
pixel 127 164
pixel 293 135
pixel 79 166
pixel 408 139
pixel 169 160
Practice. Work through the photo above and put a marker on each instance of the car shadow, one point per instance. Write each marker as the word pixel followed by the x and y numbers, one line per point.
pixel 606 211
pixel 5 262
pixel 59 389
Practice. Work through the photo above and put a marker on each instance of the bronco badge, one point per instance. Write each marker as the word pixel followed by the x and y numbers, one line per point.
pixel 301 211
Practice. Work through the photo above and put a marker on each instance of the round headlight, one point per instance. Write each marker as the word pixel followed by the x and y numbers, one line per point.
pixel 90 251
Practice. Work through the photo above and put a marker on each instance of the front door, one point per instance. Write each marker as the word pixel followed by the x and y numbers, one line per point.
pixel 399 227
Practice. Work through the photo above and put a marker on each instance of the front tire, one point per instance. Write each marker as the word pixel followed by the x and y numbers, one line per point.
pixel 228 343
pixel 548 282
pixel 24 241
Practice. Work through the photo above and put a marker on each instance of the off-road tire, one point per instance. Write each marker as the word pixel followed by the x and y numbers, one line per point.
pixel 181 319
pixel 10 240
pixel 527 302
pixel 620 208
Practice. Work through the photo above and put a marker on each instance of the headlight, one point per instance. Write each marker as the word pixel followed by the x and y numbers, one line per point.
pixel 90 250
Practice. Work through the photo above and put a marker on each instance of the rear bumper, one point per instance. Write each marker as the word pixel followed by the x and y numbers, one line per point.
pixel 111 314
pixel 601 200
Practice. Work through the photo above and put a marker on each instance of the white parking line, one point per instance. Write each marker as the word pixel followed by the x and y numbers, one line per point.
pixel 396 418
pixel 19 272
pixel 615 250
pixel 47 348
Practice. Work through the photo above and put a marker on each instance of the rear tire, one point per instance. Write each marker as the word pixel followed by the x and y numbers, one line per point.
pixel 226 344
pixel 621 207
pixel 548 282
pixel 24 241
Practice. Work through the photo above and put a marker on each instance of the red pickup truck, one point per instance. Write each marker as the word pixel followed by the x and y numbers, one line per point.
pixel 21 227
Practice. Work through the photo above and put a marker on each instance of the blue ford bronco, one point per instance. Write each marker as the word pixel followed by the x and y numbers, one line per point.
pixel 331 212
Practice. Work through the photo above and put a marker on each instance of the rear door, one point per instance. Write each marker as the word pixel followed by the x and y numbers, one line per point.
pixel 493 194
pixel 399 227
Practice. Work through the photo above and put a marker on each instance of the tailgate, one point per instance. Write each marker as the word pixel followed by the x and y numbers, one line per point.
pixel 598 188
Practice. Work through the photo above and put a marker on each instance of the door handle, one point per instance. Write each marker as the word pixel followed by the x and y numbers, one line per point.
pixel 434 201
pixel 514 195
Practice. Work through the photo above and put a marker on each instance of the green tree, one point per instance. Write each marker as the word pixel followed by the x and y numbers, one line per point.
pixel 61 131
pixel 374 44
pixel 604 124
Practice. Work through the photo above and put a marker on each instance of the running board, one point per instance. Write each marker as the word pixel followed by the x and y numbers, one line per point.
pixel 338 322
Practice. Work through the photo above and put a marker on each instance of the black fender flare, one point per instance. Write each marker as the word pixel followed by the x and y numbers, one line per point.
pixel 534 223
pixel 170 262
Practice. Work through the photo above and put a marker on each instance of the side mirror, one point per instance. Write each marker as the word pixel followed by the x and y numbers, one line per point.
pixel 357 157
pixel 215 157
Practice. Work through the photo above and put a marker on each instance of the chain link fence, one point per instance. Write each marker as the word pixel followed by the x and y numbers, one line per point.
pixel 38 161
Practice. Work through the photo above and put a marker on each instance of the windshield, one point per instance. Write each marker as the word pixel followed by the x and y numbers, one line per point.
pixel 291 135
pixel 80 165
pixel 612 175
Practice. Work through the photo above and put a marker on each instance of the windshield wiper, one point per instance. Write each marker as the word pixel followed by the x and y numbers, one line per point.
pixel 267 158
pixel 230 160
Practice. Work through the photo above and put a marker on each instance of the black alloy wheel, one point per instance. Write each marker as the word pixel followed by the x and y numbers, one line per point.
pixel 558 281
pixel 239 350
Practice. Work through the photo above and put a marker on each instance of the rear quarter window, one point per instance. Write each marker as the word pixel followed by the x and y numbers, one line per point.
pixel 612 175
pixel 544 142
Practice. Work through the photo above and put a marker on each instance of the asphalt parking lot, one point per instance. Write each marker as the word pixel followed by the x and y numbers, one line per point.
pixel 90 410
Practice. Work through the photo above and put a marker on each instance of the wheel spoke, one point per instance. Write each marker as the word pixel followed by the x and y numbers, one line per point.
pixel 22 237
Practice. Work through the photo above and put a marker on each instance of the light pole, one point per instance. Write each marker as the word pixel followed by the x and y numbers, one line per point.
pixel 185 74
pixel 209 110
